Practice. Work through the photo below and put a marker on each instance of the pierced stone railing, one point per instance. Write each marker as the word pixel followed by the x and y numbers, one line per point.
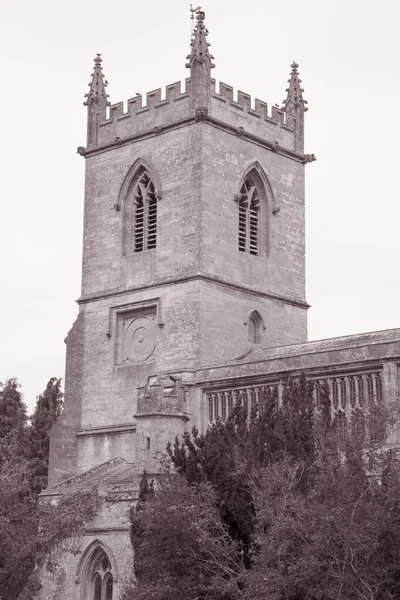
pixel 351 394
pixel 220 403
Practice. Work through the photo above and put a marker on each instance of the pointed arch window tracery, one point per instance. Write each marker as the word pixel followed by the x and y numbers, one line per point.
pixel 102 582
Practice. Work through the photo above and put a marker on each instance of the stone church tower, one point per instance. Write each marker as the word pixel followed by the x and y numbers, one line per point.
pixel 193 255
pixel 193 247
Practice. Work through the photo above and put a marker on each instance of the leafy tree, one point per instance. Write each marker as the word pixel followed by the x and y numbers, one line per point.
pixel 182 547
pixel 311 513
pixel 47 410
pixel 338 536
pixel 31 531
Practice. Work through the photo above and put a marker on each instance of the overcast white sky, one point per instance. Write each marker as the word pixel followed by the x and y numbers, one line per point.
pixel 348 51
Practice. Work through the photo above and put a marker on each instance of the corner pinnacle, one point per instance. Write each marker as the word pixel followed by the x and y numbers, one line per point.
pixel 199 53
pixel 97 93
pixel 294 98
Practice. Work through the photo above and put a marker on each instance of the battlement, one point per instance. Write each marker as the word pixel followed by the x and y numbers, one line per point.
pixel 244 103
pixel 153 101
pixel 117 125
pixel 165 395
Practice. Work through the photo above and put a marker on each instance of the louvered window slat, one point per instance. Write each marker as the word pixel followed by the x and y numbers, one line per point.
pixel 249 222
pixel 145 215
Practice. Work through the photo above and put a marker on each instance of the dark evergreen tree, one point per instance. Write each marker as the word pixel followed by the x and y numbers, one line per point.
pixel 146 489
pixel 47 410
pixel 231 453
pixel 13 421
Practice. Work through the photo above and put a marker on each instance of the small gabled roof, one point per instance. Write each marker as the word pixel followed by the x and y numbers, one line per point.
pixel 116 471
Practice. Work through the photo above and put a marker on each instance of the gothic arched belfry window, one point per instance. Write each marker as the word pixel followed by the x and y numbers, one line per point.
pixel 138 197
pixel 144 214
pixel 249 217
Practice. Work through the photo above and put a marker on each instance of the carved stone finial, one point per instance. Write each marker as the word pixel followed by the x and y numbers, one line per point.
pixel 294 66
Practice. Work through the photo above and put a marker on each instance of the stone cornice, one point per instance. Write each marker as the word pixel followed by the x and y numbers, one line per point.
pixel 137 137
pixel 249 373
pixel 251 137
pixel 216 382
pixel 207 118
pixel 162 415
pixel 198 277
pixel 106 530
pixel 109 430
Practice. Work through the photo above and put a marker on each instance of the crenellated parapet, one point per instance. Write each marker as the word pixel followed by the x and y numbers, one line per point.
pixel 161 414
pixel 163 396
pixel 251 115
pixel 244 104
pixel 144 115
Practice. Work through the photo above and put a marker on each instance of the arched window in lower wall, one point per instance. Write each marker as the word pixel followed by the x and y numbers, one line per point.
pixel 102 579
pixel 255 328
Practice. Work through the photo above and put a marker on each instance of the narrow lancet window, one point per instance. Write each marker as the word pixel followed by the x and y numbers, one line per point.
pixel 255 328
pixel 249 218
pixel 145 214
pixel 97 587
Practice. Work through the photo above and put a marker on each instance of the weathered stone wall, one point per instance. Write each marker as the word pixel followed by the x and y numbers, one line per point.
pixel 63 458
pixel 110 530
pixel 110 386
pixel 224 315
pixel 175 156
pixel 280 269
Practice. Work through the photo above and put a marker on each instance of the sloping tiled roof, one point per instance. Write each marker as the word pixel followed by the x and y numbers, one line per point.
pixel 257 353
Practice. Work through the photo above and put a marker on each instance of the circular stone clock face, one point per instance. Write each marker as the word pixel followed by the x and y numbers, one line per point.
pixel 139 339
